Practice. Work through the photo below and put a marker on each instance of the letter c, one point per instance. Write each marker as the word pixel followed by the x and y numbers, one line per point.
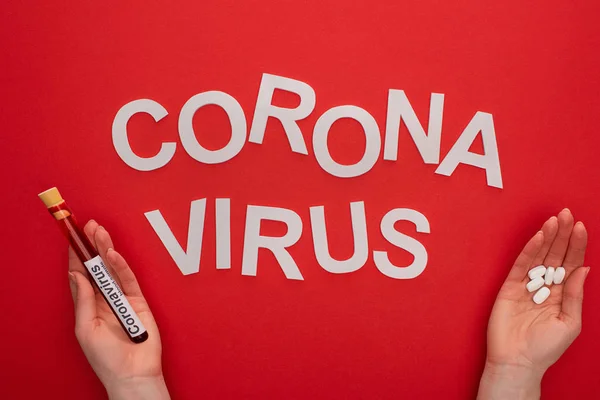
pixel 121 142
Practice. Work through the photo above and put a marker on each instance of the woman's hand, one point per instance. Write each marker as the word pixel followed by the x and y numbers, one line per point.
pixel 127 370
pixel 525 338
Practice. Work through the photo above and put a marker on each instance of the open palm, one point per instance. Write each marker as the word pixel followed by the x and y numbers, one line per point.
pixel 524 334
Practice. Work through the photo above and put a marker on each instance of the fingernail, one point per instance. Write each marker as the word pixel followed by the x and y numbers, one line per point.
pixel 587 271
pixel 110 249
pixel 101 227
pixel 566 209
pixel 580 224
pixel 92 221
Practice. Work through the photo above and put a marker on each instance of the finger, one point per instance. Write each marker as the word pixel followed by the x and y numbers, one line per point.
pixel 103 243
pixel 73 287
pixel 84 299
pixel 90 231
pixel 576 250
pixel 74 263
pixel 524 261
pixel 129 283
pixel 557 251
pixel 103 240
pixel 550 228
pixel 572 301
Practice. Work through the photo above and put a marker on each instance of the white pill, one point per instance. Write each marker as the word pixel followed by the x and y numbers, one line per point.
pixel 559 275
pixel 535 284
pixel 541 295
pixel 549 276
pixel 533 273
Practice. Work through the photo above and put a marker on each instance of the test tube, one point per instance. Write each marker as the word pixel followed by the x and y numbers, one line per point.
pixel 95 266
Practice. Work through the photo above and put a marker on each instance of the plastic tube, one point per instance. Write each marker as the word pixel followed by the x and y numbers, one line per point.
pixel 95 266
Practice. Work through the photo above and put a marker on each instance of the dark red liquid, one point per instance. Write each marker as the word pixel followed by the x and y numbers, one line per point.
pixel 78 240
pixel 85 251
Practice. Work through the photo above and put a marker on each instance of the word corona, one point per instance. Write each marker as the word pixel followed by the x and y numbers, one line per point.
pixel 398 109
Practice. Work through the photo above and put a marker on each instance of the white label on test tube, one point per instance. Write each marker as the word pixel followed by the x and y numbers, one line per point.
pixel 115 297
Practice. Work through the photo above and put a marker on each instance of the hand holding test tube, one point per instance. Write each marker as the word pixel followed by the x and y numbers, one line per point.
pixel 128 370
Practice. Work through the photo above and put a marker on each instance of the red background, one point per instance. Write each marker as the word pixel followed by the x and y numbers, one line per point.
pixel 68 67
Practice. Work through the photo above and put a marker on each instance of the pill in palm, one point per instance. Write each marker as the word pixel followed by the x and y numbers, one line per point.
pixel 535 284
pixel 559 275
pixel 533 273
pixel 549 277
pixel 541 295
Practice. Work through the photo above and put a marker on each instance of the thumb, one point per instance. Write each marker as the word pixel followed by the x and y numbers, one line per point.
pixel 84 298
pixel 572 302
